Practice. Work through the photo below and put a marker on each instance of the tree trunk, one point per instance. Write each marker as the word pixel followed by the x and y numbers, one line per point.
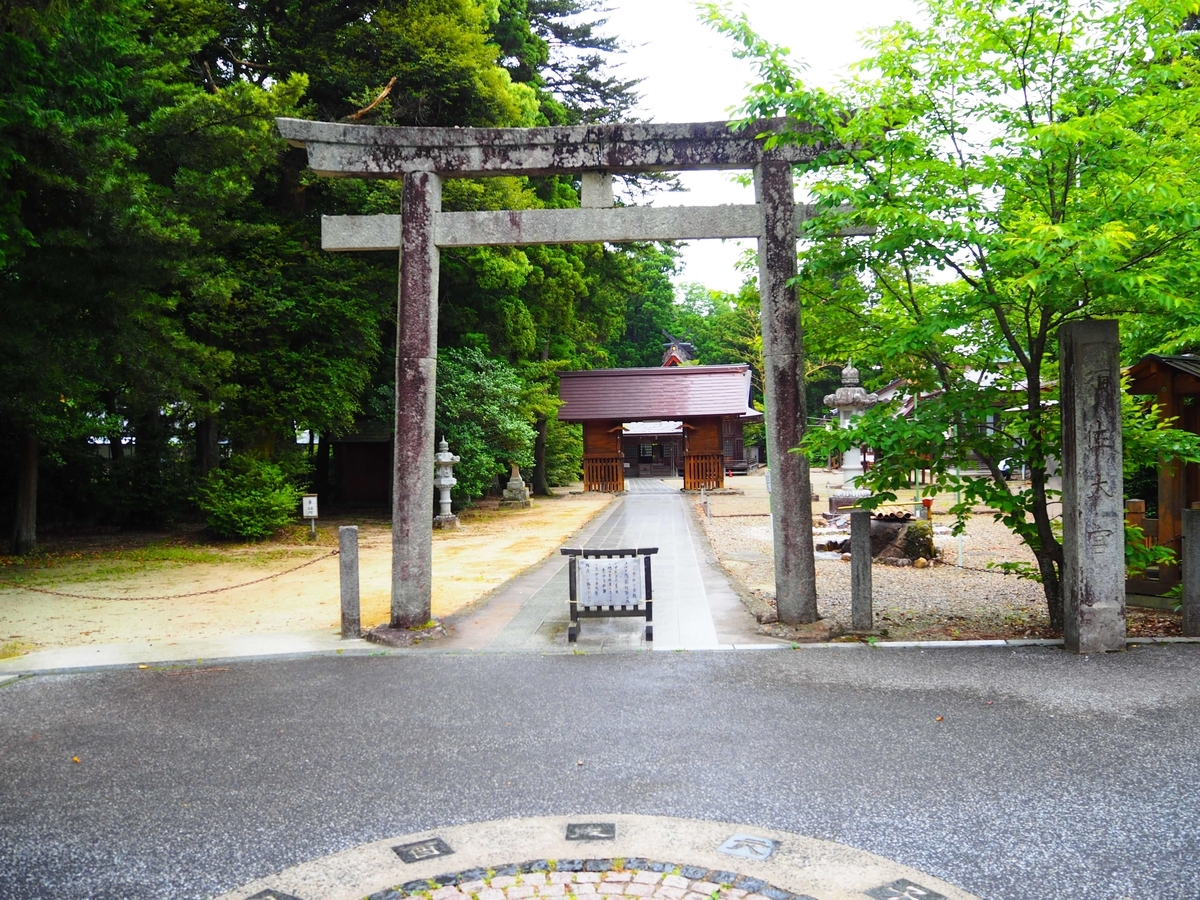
pixel 24 536
pixel 321 476
pixel 541 484
pixel 208 445
pixel 1049 550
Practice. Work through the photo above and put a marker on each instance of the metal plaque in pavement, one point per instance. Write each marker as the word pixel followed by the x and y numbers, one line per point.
pixel 903 889
pixel 749 846
pixel 421 850
pixel 591 831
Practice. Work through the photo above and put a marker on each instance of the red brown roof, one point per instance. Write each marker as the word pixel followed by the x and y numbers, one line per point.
pixel 678 392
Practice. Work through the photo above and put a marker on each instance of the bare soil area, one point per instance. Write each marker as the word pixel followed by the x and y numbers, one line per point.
pixel 136 576
pixel 942 602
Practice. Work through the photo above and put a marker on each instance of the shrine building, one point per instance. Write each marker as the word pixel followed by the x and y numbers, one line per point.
pixel 660 422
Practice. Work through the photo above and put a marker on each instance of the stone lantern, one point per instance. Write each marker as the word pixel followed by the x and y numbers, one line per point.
pixel 848 401
pixel 443 480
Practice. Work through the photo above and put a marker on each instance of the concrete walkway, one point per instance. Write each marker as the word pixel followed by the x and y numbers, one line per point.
pixel 695 607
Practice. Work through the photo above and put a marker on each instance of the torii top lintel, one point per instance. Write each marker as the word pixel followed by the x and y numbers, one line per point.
pixel 370 151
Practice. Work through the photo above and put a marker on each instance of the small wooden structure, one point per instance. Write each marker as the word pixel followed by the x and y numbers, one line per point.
pixel 1174 383
pixel 708 404
pixel 607 584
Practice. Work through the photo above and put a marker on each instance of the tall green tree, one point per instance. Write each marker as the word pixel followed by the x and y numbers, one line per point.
pixel 1023 165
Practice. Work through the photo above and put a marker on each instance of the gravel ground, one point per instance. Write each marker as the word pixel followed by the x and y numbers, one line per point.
pixel 941 601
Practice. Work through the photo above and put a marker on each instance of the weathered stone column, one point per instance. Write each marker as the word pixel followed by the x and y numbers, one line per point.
pixel 416 382
pixel 1093 574
pixel 862 614
pixel 783 362
pixel 348 580
pixel 1190 559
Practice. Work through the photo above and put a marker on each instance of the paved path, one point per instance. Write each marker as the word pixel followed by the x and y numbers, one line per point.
pixel 695 608
pixel 1048 776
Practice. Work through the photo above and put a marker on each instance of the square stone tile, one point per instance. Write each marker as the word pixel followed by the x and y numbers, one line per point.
pixel 903 889
pixel 419 850
pixel 591 831
pixel 749 846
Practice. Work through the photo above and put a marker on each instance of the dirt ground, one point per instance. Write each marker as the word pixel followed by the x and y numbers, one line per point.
pixel 491 548
pixel 942 602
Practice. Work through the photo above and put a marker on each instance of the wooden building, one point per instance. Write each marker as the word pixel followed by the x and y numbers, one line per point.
pixel 677 420
pixel 1174 383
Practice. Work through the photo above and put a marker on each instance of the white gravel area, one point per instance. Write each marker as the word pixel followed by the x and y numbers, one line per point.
pixel 940 601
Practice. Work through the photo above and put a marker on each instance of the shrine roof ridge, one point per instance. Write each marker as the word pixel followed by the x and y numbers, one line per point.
pixel 662 371
pixel 375 151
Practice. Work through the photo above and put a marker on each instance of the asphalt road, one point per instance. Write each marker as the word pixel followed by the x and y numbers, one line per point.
pixel 1047 776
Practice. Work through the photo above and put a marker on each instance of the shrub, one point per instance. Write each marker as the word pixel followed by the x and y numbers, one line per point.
pixel 250 498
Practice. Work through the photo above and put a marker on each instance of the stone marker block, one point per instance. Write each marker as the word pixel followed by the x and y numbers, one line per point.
pixel 1191 572
pixel 862 616
pixel 348 578
pixel 1093 572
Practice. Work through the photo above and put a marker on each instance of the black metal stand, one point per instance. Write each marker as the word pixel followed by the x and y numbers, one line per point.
pixel 579 611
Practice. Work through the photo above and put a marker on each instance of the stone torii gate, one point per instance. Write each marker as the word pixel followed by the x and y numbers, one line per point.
pixel 423 156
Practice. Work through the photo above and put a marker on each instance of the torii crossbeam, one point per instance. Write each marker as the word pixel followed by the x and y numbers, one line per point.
pixel 423 156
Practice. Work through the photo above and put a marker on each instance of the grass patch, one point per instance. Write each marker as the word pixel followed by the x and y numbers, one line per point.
pixel 43 569
pixel 11 649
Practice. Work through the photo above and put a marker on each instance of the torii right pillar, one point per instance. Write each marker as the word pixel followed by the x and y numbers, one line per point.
pixel 1093 571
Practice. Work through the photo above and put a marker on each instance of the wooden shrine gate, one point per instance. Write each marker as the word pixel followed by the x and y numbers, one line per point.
pixel 706 403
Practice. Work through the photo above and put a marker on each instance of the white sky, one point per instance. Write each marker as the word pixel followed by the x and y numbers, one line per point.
pixel 689 75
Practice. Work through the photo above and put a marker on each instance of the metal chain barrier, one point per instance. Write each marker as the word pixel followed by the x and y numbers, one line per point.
pixel 220 590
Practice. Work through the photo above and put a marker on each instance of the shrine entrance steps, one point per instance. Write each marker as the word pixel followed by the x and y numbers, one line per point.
pixel 695 607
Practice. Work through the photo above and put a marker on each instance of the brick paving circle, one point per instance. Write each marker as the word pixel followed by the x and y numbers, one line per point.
pixel 590 879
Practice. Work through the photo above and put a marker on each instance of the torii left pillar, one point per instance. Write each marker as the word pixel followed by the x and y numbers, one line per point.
pixel 416 382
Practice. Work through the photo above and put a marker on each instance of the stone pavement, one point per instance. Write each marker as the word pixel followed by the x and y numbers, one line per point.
pixel 695 607
pixel 566 858
pixel 1009 774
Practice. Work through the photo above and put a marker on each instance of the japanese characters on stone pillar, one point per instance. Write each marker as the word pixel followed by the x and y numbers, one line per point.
pixel 1093 572
pixel 443 481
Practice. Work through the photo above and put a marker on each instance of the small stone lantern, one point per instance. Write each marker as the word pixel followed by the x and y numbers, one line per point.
pixel 445 461
pixel 848 401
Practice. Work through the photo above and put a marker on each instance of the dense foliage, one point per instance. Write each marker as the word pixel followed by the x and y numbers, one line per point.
pixel 1022 166
pixel 249 498
pixel 164 296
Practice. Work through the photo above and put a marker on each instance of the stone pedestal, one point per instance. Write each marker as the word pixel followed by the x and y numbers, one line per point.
pixel 1093 571
pixel 844 499
pixel 516 493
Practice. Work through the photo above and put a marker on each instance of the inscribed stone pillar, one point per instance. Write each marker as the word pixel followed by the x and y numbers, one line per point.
pixel 1190 558
pixel 862 617
pixel 348 580
pixel 1093 573
pixel 416 382
pixel 783 362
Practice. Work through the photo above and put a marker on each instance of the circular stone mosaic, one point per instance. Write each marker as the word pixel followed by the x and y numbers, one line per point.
pixel 590 879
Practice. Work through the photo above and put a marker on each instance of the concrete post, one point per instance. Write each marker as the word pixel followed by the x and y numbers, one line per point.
pixel 862 615
pixel 783 360
pixel 1093 572
pixel 1190 559
pixel 348 579
pixel 416 382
